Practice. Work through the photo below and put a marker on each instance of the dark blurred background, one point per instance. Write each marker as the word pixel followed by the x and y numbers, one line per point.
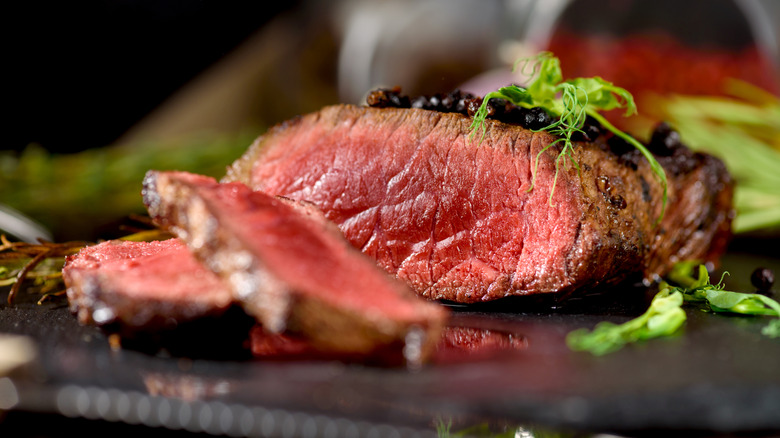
pixel 80 74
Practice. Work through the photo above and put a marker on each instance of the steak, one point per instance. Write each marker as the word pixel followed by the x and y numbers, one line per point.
pixel 468 221
pixel 142 286
pixel 291 269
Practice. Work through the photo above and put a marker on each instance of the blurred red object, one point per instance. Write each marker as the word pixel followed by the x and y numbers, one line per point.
pixel 665 47
pixel 661 64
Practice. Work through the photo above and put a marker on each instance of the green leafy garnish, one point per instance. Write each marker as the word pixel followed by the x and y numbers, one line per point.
pixel 665 315
pixel 699 290
pixel 569 101
pixel 663 318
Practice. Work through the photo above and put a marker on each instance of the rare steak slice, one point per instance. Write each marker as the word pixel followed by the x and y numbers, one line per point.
pixel 472 220
pixel 142 286
pixel 291 269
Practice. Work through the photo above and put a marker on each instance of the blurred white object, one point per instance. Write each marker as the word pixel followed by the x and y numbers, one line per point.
pixel 18 225
pixel 15 351
pixel 404 42
pixel 398 42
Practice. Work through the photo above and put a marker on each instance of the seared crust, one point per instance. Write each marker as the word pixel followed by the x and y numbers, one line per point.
pixel 458 218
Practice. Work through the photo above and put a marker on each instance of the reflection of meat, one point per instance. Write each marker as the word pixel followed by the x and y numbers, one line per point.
pixel 469 343
pixel 457 219
pixel 280 345
pixel 456 344
pixel 291 346
pixel 142 286
pixel 291 270
pixel 185 387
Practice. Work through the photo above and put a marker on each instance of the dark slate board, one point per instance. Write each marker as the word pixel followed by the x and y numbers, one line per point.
pixel 719 376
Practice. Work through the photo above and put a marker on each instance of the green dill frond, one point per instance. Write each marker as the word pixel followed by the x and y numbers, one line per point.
pixel 570 102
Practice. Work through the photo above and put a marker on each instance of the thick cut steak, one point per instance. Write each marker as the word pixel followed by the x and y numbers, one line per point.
pixel 291 268
pixel 142 286
pixel 458 218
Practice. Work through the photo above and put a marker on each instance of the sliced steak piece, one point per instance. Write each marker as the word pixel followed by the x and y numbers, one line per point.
pixel 292 269
pixel 142 286
pixel 457 218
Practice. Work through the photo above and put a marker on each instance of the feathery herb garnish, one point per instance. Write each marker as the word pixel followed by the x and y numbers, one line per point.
pixel 665 315
pixel 570 101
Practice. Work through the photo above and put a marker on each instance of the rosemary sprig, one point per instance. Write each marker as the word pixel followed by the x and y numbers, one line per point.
pixel 19 260
pixel 570 101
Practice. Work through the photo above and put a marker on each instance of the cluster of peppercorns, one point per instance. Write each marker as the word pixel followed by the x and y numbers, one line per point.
pixel 467 104
pixel 455 101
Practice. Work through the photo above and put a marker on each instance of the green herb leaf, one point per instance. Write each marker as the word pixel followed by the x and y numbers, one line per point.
pixel 719 300
pixel 570 101
pixel 664 317
pixel 604 95
pixel 748 304
pixel 545 87
pixel 699 289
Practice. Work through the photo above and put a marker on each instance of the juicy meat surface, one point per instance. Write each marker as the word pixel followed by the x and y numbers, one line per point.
pixel 291 268
pixel 142 286
pixel 459 219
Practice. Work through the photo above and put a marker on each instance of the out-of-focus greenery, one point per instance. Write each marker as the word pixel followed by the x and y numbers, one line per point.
pixel 75 194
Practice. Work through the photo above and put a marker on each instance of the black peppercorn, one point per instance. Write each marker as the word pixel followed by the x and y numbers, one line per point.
pixel 539 119
pixel 472 106
pixel 590 131
pixel 763 279
pixel 387 98
pixel 664 140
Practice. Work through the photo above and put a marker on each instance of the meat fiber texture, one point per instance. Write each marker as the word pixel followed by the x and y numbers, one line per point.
pixel 142 286
pixel 291 269
pixel 458 218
